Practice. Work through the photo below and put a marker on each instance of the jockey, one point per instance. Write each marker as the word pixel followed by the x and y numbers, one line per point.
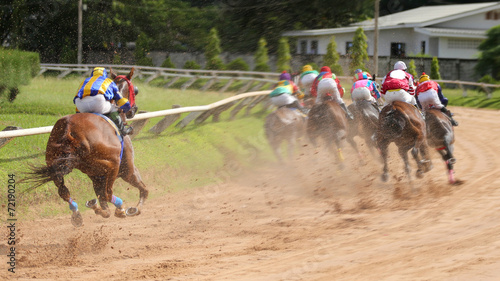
pixel 429 95
pixel 327 84
pixel 365 89
pixel 95 95
pixel 286 93
pixel 306 79
pixel 398 85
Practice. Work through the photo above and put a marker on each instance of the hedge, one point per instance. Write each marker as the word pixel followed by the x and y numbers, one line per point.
pixel 17 68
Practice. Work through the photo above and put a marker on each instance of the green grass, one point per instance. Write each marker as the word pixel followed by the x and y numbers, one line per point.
pixel 173 160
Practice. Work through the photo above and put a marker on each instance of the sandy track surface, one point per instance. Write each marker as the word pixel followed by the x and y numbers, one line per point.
pixel 305 221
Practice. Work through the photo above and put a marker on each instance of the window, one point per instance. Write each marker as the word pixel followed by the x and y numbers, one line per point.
pixel 422 47
pixel 463 44
pixel 348 46
pixel 314 47
pixel 303 47
pixel 398 50
pixel 492 15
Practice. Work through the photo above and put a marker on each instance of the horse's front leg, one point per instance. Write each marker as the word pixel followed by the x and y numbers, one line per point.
pixel 447 156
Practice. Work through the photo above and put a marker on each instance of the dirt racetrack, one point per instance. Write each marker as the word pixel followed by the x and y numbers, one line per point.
pixel 306 221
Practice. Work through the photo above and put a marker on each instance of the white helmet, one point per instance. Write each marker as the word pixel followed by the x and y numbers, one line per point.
pixel 400 65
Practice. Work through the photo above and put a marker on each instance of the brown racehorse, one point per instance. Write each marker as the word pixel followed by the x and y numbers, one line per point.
pixel 89 143
pixel 365 123
pixel 440 135
pixel 401 123
pixel 284 124
pixel 327 120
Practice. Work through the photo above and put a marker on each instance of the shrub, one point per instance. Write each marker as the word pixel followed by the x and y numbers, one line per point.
pixel 238 64
pixel 191 64
pixel 167 63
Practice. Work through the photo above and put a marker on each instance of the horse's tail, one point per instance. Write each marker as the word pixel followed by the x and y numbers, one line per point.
pixel 392 125
pixel 61 146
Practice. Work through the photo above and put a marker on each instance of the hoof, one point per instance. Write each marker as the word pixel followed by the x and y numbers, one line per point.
pixel 384 177
pixel 120 213
pixel 132 211
pixel 420 174
pixel 91 204
pixel 76 219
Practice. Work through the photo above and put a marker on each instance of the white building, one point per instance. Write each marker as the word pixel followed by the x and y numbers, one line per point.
pixel 446 31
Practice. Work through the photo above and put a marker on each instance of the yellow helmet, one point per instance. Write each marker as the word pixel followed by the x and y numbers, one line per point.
pixel 307 68
pixel 424 77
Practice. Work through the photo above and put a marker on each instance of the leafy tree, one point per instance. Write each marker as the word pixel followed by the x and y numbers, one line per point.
pixel 331 58
pixel 284 56
pixel 238 64
pixel 489 62
pixel 435 75
pixel 141 48
pixel 412 69
pixel 261 57
pixel 213 50
pixel 359 51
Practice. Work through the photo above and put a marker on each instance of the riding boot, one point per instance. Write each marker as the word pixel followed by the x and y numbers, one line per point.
pixel 419 110
pixel 447 112
pixel 124 130
pixel 376 106
pixel 348 113
pixel 296 104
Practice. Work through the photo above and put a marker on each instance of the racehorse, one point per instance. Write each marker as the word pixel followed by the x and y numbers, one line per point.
pixel 89 143
pixel 328 121
pixel 284 124
pixel 401 123
pixel 365 122
pixel 440 135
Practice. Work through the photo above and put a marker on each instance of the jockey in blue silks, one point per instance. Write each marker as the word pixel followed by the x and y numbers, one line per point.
pixel 95 95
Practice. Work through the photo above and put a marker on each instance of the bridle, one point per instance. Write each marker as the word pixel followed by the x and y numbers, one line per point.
pixel 131 92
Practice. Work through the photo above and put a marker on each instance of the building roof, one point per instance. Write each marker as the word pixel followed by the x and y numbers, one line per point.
pixel 418 17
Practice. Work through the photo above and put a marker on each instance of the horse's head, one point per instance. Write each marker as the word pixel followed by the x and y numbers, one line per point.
pixel 127 90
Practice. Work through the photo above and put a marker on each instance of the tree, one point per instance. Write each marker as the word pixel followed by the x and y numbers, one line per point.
pixel 213 50
pixel 435 75
pixel 489 62
pixel 359 51
pixel 284 56
pixel 412 69
pixel 261 57
pixel 141 50
pixel 331 57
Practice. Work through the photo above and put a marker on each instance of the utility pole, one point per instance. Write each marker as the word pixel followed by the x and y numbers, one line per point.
pixel 80 16
pixel 375 39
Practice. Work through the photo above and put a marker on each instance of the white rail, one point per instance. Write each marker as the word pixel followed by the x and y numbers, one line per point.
pixel 142 116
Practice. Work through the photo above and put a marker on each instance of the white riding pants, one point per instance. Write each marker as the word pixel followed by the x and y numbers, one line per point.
pixel 429 99
pixel 328 86
pixel 283 99
pixel 97 104
pixel 362 93
pixel 306 83
pixel 400 95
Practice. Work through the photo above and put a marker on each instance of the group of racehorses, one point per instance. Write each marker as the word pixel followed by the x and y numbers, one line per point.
pixel 89 143
pixel 398 122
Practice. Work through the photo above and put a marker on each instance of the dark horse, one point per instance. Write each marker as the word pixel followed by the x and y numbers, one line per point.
pixel 284 124
pixel 87 142
pixel 440 135
pixel 365 123
pixel 401 123
pixel 328 121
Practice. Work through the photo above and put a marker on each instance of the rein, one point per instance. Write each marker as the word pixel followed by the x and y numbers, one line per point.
pixel 131 94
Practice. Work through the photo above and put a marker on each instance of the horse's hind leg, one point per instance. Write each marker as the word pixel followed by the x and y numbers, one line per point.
pixel 76 217
pixel 384 151
pixel 99 183
pixel 447 155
